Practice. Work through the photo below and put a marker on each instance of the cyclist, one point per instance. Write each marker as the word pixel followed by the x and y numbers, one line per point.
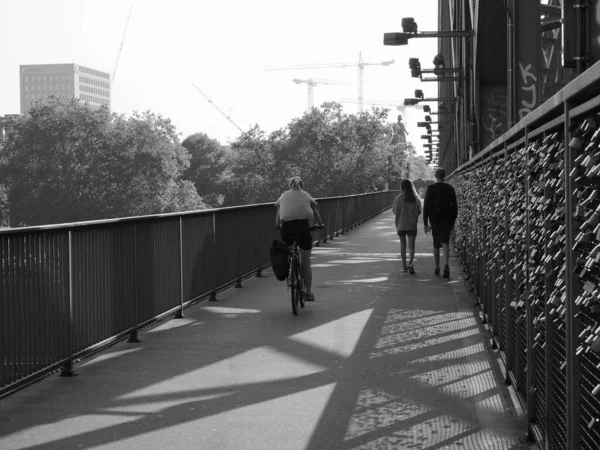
pixel 296 209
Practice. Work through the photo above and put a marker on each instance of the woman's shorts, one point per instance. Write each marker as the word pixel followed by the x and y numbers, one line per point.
pixel 297 230
pixel 409 233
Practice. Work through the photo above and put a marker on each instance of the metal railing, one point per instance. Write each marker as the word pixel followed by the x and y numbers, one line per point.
pixel 69 290
pixel 528 239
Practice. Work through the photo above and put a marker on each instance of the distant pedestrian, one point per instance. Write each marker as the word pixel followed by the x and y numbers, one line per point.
pixel 439 214
pixel 407 208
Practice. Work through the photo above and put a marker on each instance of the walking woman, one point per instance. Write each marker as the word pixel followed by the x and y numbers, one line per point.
pixel 407 208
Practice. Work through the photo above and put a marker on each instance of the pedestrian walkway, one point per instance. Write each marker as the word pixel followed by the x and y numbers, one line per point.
pixel 381 360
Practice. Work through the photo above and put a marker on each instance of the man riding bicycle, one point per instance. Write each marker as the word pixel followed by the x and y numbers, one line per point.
pixel 296 209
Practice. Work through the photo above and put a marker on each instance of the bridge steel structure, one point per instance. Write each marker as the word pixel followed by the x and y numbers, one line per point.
pixel 524 157
pixel 528 238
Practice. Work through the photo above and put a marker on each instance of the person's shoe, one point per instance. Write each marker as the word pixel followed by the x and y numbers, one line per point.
pixel 411 269
pixel 308 297
pixel 405 269
pixel 446 271
pixel 436 271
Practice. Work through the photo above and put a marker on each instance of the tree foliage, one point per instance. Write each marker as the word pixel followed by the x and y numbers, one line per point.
pixel 335 154
pixel 420 169
pixel 66 162
pixel 207 167
pixel 252 173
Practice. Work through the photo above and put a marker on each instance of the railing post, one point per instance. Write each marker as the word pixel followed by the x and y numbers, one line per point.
pixel 238 282
pixel 507 279
pixel 572 331
pixel 494 289
pixel 213 294
pixel 549 324
pixel 133 336
pixel 179 314
pixel 68 369
pixel 529 309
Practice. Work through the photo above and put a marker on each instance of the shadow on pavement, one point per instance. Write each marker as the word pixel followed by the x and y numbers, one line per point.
pixel 380 360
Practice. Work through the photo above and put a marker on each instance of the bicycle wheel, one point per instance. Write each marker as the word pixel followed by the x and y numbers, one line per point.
pixel 300 287
pixel 294 285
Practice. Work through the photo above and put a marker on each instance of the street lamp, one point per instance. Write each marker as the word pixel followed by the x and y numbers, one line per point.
pixel 427 109
pixel 414 101
pixel 410 31
pixel 439 70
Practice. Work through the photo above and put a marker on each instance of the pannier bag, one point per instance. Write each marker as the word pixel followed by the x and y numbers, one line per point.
pixel 279 259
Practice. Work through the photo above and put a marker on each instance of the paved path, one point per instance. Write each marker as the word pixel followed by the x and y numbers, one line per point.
pixel 381 360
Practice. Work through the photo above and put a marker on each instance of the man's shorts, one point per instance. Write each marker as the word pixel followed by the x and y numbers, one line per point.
pixel 441 233
pixel 409 233
pixel 298 230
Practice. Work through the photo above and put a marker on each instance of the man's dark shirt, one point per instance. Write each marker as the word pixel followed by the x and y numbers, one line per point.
pixel 440 204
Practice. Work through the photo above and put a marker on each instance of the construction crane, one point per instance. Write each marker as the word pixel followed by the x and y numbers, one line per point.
pixel 311 83
pixel 217 108
pixel 361 66
pixel 112 78
pixel 399 106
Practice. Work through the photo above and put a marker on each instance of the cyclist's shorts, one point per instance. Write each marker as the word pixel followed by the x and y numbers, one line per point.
pixel 298 230
pixel 441 234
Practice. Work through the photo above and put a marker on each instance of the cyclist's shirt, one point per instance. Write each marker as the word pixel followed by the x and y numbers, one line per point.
pixel 295 204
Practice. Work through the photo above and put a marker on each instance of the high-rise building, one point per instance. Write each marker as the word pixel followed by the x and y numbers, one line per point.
pixel 41 81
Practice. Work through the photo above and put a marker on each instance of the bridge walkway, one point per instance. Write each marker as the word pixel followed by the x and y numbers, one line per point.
pixel 381 360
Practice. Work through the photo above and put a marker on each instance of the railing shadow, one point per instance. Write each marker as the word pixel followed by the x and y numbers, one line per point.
pixel 390 362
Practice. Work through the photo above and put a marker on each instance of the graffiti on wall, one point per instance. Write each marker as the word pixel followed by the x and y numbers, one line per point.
pixel 493 114
pixel 528 88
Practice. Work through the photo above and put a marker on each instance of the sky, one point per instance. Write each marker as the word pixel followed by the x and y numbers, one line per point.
pixel 224 47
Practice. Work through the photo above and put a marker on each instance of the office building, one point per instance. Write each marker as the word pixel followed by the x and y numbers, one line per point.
pixel 41 81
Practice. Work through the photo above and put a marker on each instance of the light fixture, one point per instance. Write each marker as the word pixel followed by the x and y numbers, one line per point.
pixel 409 25
pixel 415 67
pixel 410 30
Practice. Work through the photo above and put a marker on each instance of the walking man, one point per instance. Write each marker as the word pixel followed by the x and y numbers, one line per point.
pixel 439 214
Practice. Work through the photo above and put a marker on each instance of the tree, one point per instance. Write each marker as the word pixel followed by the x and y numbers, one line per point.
pixel 157 162
pixel 334 153
pixel 338 154
pixel 207 167
pixel 420 169
pixel 4 216
pixel 252 175
pixel 66 162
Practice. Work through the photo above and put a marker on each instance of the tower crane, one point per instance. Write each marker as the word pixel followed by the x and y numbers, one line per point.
pixel 361 66
pixel 399 106
pixel 121 46
pixel 217 108
pixel 311 83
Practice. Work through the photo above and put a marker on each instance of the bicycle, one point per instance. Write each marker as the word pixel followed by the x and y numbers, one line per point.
pixel 295 279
